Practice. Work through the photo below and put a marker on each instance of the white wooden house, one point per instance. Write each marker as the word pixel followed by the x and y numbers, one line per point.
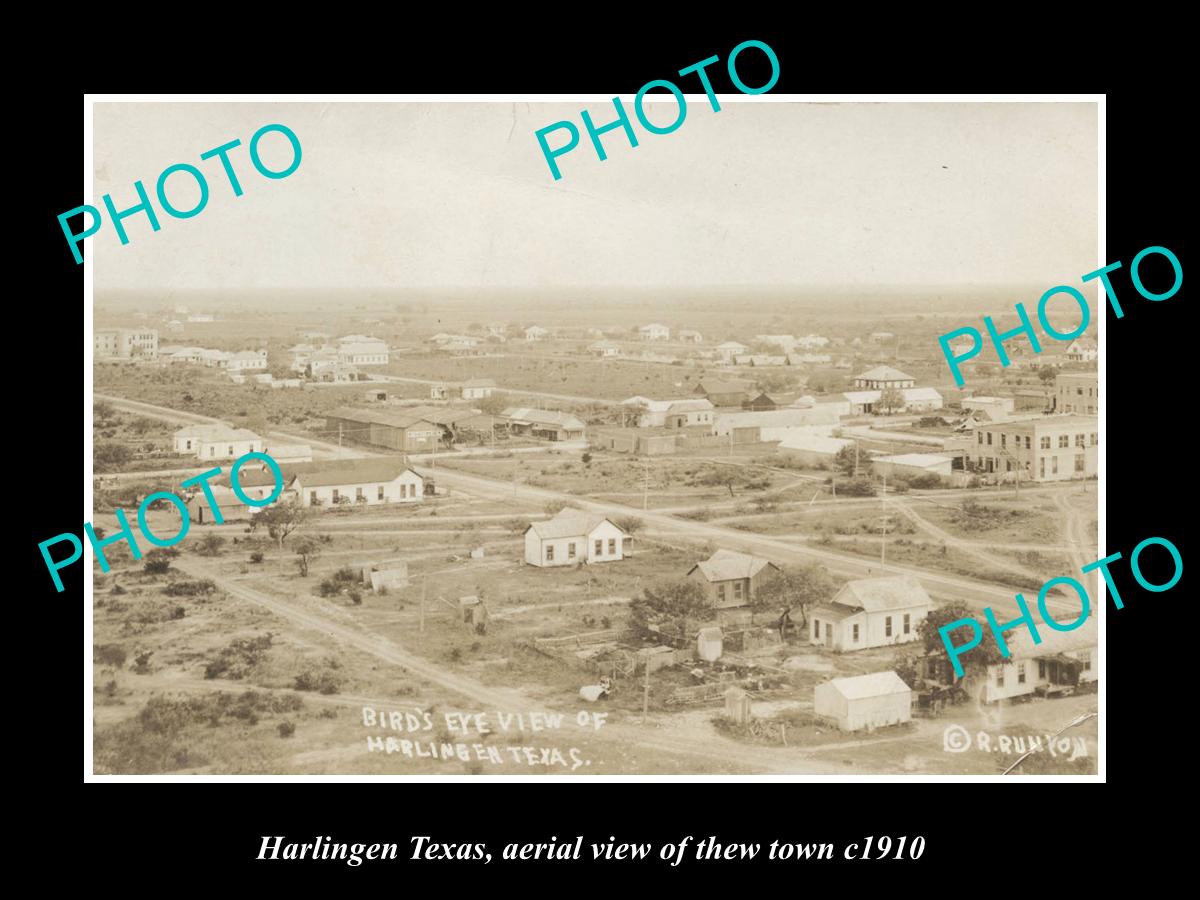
pixel 573 537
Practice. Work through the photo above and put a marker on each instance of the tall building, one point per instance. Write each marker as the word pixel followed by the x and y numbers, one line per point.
pixel 1041 448
pixel 126 343
pixel 1077 392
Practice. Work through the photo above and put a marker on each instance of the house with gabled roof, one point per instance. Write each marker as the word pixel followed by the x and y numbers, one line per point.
pixel 871 612
pixel 731 579
pixel 573 537
pixel 363 482
pixel 549 424
pixel 881 378
pixel 1058 664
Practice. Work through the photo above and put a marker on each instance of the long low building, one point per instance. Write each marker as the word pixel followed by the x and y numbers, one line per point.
pixel 1039 448
pixel 216 441
pixel 916 399
pixel 547 424
pixel 812 449
pixel 367 482
pixel 913 464
pixel 394 430
pixel 773 424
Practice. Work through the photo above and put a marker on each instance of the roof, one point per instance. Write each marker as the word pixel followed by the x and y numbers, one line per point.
pixel 543 417
pixel 879 594
pixel 1021 646
pixel 835 612
pixel 728 386
pixel 877 684
pixel 378 417
pixel 699 403
pixel 370 470
pixel 921 460
pixel 569 523
pixel 731 345
pixel 217 432
pixel 727 565
pixel 440 415
pixel 885 373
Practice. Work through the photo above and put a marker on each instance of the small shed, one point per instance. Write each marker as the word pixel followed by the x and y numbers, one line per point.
pixel 655 658
pixel 473 611
pixel 709 646
pixel 737 705
pixel 397 569
pixel 865 701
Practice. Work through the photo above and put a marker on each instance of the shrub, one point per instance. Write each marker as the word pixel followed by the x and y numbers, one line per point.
pixel 117 590
pixel 157 566
pixel 210 545
pixel 202 586
pixel 856 487
pixel 141 662
pixel 256 557
pixel 109 655
pixel 323 681
pixel 236 659
pixel 287 728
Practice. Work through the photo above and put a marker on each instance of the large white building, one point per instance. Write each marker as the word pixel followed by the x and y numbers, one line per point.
pixel 125 343
pixel 573 537
pixel 361 482
pixel 654 332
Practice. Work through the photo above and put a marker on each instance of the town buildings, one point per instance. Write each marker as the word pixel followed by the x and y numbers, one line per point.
pixel 574 537
pixel 1060 663
pixel 216 441
pixel 864 702
pixel 1077 392
pixel 654 332
pixel 383 428
pixel 360 350
pixel 362 482
pixel 871 612
pixel 727 392
pixel 547 424
pixel 883 377
pixel 1039 448
pixel 688 413
pixel 732 579
pixel 125 343
pixel 477 388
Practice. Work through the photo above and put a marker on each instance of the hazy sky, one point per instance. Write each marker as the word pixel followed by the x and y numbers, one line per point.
pixel 432 195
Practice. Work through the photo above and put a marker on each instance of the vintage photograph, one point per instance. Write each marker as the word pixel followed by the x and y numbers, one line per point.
pixel 411 459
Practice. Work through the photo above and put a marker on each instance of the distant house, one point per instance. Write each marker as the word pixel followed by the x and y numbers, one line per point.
pixel 871 612
pixel 247 361
pixel 992 409
pixel 536 333
pixel 732 579
pixel 1083 350
pixel 232 508
pixel 811 342
pixel 765 401
pixel 477 388
pixel 726 393
pixel 882 337
pixel 573 537
pixel 776 424
pixel 360 350
pixel 604 349
pixel 643 441
pixel 216 441
pixel 730 349
pixel 376 395
pixel 692 413
pixel 809 359
pixel 785 342
pixel 438 392
pixel 864 701
pixel 289 453
pixel 690 336
pixel 1060 663
pixel 883 377
pixel 547 424
pixel 925 399
pixel 654 332
pixel 215 359
pixel 365 482
pixel 810 449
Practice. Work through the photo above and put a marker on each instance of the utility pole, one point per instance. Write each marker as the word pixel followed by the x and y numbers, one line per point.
pixel 856 457
pixel 424 583
pixel 883 522
pixel 645 484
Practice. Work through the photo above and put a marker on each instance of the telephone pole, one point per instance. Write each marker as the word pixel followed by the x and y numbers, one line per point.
pixel 883 522
pixel 424 583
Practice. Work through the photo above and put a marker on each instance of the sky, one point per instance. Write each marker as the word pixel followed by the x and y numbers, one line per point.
pixel 458 195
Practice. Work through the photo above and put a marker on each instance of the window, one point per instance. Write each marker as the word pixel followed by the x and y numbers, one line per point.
pixel 379 495
pixel 816 630
pixel 1042 467
pixel 855 634
pixel 571 550
pixel 212 451
pixel 231 449
pixel 989 438
pixel 887 626
pixel 1003 440
pixel 1079 462
pixel 336 497
pixel 1000 676
pixel 721 597
pixel 980 436
pixel 1054 465
pixel 1045 442
pixel 549 553
pixel 358 493
pixel 1093 439
pixel 1085 657
pixel 1064 440
pixel 739 590
pixel 312 497
pixel 1020 673
pixel 1026 442
pixel 189 445
pixel 612 546
pixel 907 623
pixel 1079 440
pixel 599 547
pixel 1041 670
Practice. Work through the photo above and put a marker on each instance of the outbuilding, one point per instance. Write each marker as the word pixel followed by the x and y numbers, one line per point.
pixel 864 701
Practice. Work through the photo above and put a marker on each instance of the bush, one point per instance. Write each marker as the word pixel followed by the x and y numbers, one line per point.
pixel 158 566
pixel 240 656
pixel 109 655
pixel 256 557
pixel 210 545
pixel 287 728
pixel 202 586
pixel 856 487
pixel 323 681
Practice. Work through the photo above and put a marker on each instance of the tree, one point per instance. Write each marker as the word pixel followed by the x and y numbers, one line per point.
pixel 279 521
pixel 307 550
pixel 846 460
pixel 890 400
pixel 629 524
pixel 974 661
pixel 1047 374
pixel 158 561
pixel 110 456
pixel 671 609
pixel 795 587
pixel 210 545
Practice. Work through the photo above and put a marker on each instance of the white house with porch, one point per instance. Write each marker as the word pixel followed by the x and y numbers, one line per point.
pixel 573 537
